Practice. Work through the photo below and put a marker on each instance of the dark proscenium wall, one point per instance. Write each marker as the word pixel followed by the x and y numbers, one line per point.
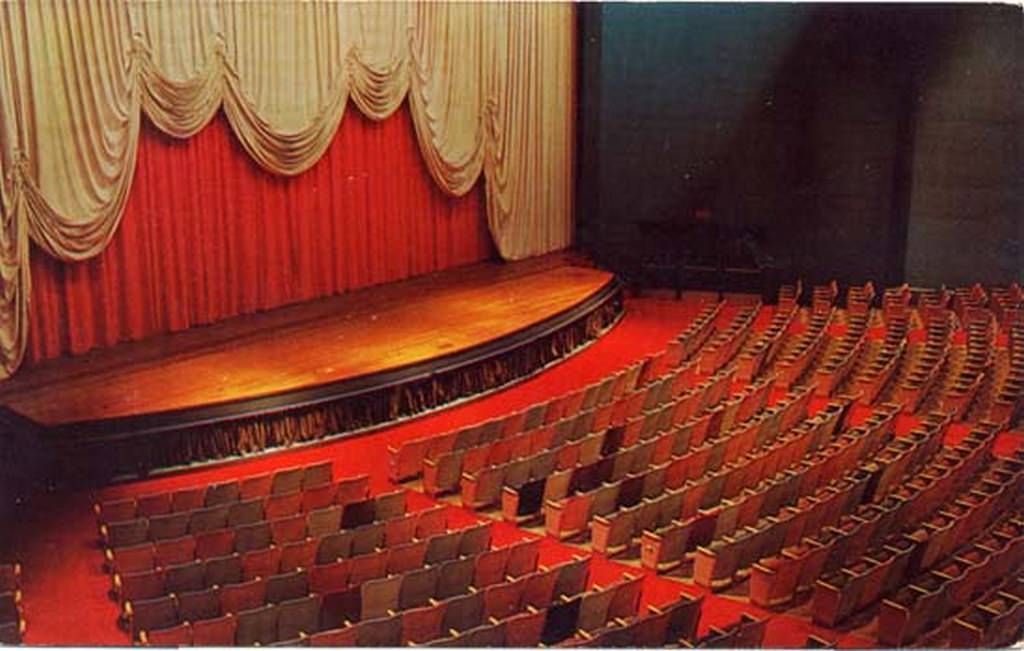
pixel 811 126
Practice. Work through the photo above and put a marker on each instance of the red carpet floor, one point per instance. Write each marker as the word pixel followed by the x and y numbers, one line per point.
pixel 65 589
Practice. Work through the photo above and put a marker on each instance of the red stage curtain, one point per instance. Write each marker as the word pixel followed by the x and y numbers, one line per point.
pixel 208 235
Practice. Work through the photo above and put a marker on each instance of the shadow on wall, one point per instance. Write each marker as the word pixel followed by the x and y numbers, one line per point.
pixel 801 122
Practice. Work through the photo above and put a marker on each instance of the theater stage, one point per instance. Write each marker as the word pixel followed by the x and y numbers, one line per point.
pixel 306 371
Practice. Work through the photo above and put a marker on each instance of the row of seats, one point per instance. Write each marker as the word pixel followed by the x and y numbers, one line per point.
pixel 793 362
pixel 842 357
pixel 893 558
pixel 972 364
pixel 662 498
pixel 449 556
pixel 859 300
pixel 932 596
pixel 569 513
pixel 896 303
pixel 874 376
pixel 667 547
pixel 343 494
pixel 727 342
pixel 12 621
pixel 994 620
pixel 761 349
pixel 610 403
pixel 278 557
pixel 1005 407
pixel 798 500
pixel 280 482
pixel 485 487
pixel 777 580
pixel 706 477
pixel 926 365
pixel 406 460
pixel 443 474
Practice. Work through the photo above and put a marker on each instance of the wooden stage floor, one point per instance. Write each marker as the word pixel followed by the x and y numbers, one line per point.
pixel 357 334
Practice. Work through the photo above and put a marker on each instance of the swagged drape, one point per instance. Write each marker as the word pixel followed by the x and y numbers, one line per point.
pixel 489 88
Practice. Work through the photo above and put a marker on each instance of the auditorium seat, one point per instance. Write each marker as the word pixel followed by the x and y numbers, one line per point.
pixel 151 614
pixel 256 626
pixel 245 595
pixel 219 632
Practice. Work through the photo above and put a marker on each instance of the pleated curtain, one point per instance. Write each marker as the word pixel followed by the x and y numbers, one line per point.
pixel 489 87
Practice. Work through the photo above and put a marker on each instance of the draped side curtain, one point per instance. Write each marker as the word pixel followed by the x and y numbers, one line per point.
pixel 489 87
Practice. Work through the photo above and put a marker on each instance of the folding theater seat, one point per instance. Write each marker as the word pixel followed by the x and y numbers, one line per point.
pixel 626 600
pixel 384 631
pixel 299 554
pixel 524 629
pixel 418 587
pixel 123 560
pixel 176 636
pixel 406 557
pixel 368 566
pixel 335 637
pixel 490 567
pixel 432 521
pixel 151 614
pixel 137 586
pixel 523 557
pixel 219 632
pixel 188 499
pixel 463 612
pixel 572 576
pixel 174 551
pixel 323 521
pixel 329 577
pixel 125 533
pixel 261 562
pixel 247 511
pixel 243 596
pixel 288 529
pixel 154 504
pixel 214 544
pixel 379 597
pixel 287 480
pixel 475 539
pixel 115 510
pixel 389 505
pixel 252 537
pixel 319 497
pixel 199 604
pixel 282 505
pixel 223 570
pixel 282 587
pixel 562 620
pixel 405 461
pixel 298 617
pixel 421 624
pixel 257 626
pixel 501 600
pixel 443 547
pixel 456 577
pixel 209 518
pixel 400 530
pixel 222 493
pixel 593 609
pixel 187 577
pixel 257 486
pixel 368 538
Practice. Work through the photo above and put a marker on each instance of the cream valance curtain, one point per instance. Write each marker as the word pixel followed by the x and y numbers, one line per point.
pixel 490 88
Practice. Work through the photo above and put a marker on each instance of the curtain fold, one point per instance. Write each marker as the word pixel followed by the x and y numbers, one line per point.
pixel 489 85
pixel 208 235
